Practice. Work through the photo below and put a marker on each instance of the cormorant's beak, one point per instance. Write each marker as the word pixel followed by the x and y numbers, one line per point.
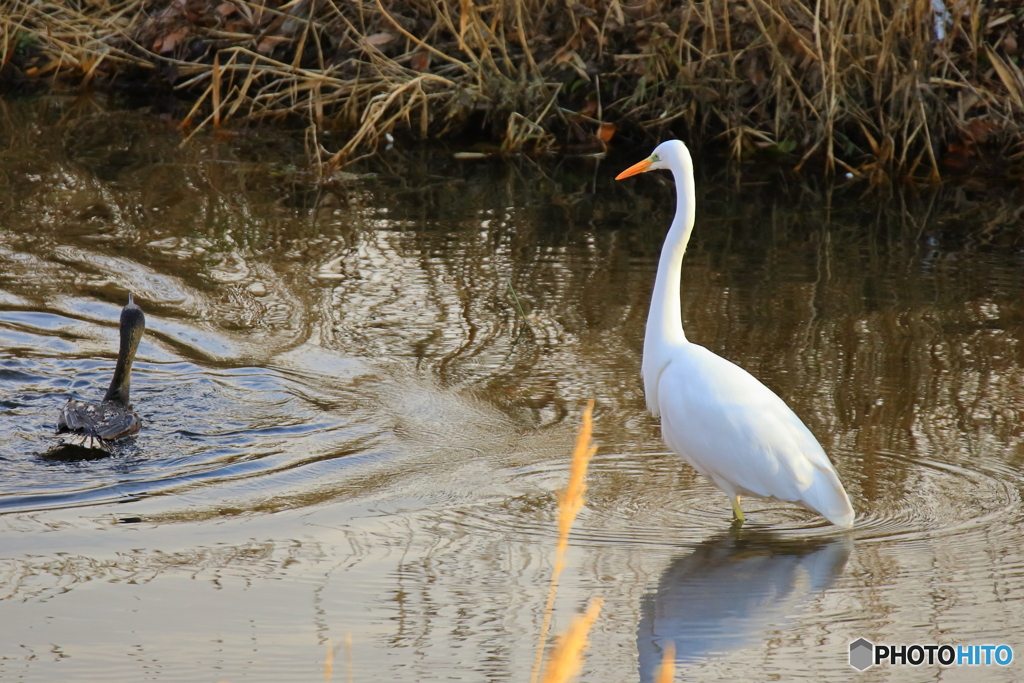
pixel 639 167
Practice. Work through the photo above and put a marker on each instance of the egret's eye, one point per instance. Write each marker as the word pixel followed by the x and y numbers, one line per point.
pixel 655 158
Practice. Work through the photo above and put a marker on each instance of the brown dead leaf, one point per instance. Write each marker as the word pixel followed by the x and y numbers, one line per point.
pixel 641 9
pixel 562 55
pixel 754 71
pixel 420 60
pixel 959 156
pixel 794 44
pixel 271 36
pixel 226 134
pixel 980 128
pixel 193 11
pixel 268 44
pixel 167 43
pixel 378 39
pixel 590 108
pixel 606 131
pixel 226 9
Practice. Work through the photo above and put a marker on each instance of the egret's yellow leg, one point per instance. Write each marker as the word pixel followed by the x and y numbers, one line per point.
pixel 737 513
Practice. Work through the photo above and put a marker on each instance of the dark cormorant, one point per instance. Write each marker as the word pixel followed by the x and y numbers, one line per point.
pixel 92 425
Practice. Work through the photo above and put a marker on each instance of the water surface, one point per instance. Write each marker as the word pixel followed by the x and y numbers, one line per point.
pixel 350 429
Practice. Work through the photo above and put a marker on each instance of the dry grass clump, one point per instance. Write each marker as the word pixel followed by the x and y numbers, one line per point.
pixel 866 85
pixel 424 67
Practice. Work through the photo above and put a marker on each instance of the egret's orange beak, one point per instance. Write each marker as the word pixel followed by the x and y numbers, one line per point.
pixel 639 167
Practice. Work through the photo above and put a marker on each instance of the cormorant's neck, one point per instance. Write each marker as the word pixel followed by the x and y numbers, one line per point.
pixel 664 321
pixel 120 384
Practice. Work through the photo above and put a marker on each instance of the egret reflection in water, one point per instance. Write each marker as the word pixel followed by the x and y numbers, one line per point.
pixel 728 592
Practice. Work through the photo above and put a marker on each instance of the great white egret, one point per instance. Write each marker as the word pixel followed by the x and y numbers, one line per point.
pixel 717 416
pixel 95 424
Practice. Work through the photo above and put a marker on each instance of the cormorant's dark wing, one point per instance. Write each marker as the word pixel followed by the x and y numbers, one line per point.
pixel 76 416
pixel 107 421
pixel 117 422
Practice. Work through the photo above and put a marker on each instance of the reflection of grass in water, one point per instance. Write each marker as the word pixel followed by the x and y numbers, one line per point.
pixel 666 671
pixel 566 657
pixel 526 322
pixel 515 297
pixel 519 307
pixel 329 662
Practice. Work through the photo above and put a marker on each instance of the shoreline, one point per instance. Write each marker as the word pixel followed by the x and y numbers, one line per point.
pixel 886 91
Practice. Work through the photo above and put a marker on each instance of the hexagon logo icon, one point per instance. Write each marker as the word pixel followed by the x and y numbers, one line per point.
pixel 861 653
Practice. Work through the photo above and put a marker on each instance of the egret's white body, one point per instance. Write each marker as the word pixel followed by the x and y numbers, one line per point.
pixel 716 415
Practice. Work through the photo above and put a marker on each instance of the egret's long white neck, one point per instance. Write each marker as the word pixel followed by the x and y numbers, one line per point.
pixel 664 321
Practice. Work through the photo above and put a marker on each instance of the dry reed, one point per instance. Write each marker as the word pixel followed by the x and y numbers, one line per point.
pixel 570 502
pixel 862 85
